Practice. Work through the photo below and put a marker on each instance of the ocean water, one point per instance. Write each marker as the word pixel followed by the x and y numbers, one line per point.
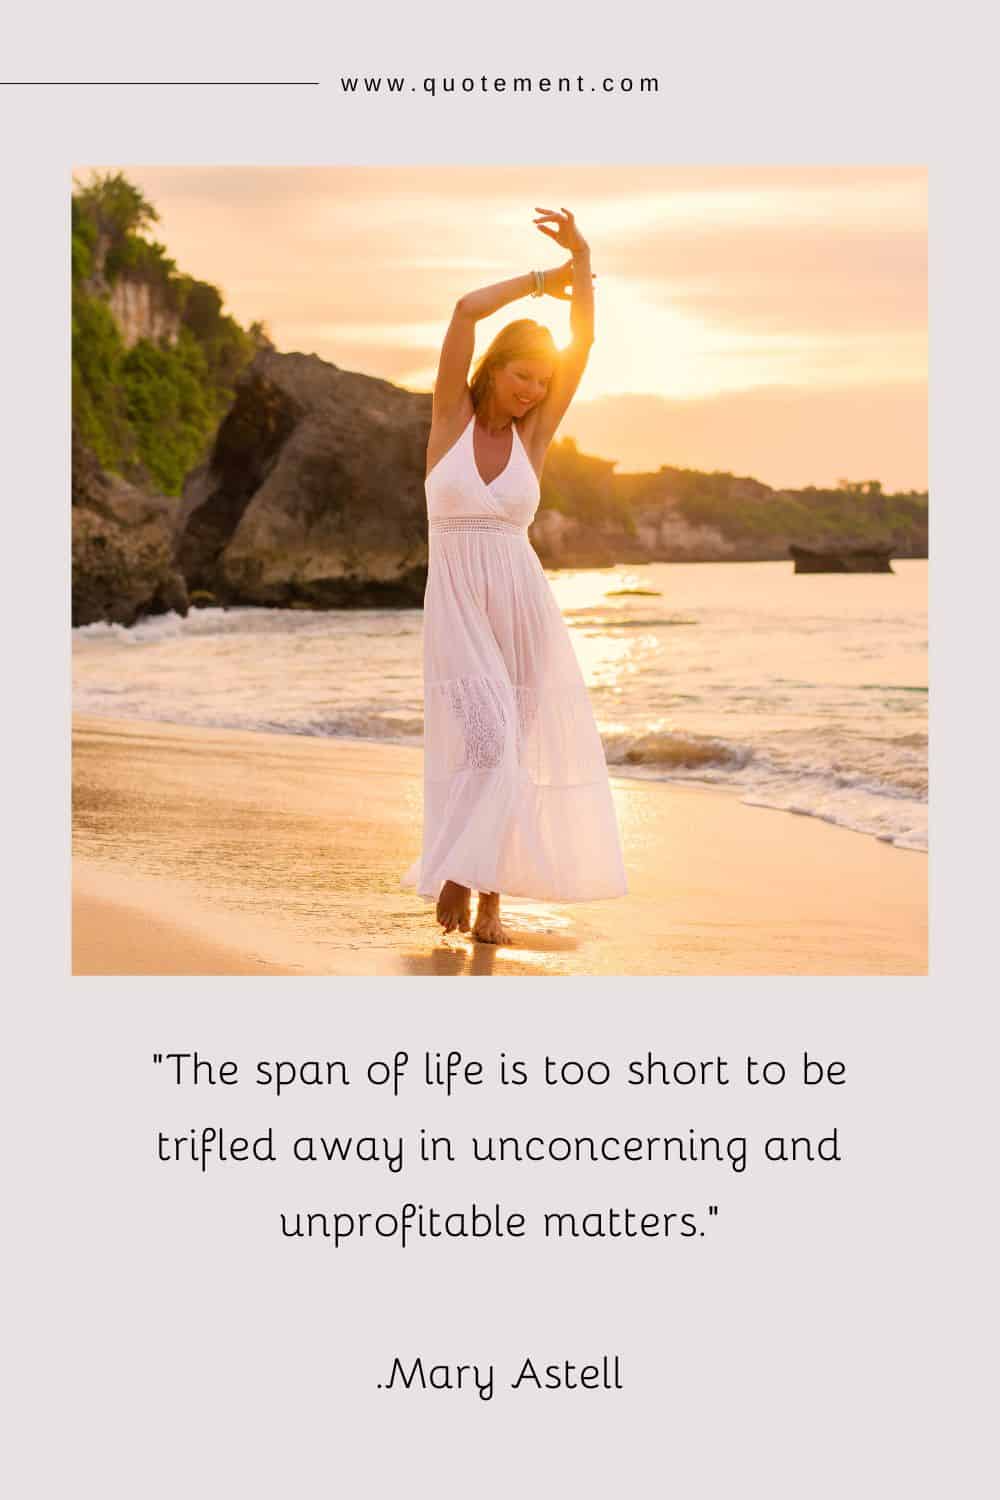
pixel 804 693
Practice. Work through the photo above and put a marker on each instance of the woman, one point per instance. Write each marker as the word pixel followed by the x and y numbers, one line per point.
pixel 516 793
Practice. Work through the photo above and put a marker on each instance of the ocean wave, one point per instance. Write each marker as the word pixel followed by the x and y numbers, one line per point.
pixel 153 628
pixel 245 619
pixel 671 750
pixel 357 726
pixel 586 619
pixel 888 802
pixel 398 728
pixel 899 821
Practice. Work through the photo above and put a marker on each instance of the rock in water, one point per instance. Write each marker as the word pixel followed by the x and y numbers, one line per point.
pixel 123 562
pixel 313 493
pixel 844 560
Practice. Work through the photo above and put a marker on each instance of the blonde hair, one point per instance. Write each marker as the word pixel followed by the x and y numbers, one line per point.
pixel 523 339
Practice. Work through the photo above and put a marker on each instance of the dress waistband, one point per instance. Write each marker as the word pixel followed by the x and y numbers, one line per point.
pixel 475 523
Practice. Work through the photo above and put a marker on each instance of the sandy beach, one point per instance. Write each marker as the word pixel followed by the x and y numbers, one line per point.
pixel 213 851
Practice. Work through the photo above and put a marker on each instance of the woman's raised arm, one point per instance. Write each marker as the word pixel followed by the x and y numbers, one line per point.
pixel 459 341
pixel 573 359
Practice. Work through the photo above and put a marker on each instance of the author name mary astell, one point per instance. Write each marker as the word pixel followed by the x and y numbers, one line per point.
pixel 605 1374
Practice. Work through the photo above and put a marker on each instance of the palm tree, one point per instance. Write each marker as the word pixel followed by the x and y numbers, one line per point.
pixel 116 208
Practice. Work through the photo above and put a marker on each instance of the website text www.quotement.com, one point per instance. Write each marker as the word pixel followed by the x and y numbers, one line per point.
pixel 440 84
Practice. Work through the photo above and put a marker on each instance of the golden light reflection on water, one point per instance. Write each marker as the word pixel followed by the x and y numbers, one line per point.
pixel 606 660
pixel 583 588
pixel 595 604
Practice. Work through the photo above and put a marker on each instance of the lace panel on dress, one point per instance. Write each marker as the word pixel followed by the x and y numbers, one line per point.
pixel 479 722
pixel 485 720
pixel 473 523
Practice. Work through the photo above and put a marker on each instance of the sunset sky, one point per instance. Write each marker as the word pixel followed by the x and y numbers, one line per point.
pixel 765 320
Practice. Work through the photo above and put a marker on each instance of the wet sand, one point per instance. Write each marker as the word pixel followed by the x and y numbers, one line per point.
pixel 215 851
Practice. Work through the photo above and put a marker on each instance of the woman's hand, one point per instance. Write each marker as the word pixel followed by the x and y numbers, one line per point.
pixel 561 227
pixel 559 282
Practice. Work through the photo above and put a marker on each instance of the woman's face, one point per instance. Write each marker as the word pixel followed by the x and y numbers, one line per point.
pixel 521 384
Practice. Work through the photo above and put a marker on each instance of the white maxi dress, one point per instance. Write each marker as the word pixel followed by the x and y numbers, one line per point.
pixel 516 791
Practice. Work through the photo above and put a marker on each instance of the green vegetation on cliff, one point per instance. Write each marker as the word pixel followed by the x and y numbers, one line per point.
pixel 858 514
pixel 148 411
pixel 753 516
pixel 583 487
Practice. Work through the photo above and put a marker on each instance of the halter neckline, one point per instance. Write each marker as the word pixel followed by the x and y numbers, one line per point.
pixel 515 439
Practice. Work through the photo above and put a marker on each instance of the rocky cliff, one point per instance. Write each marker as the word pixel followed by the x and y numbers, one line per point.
pixel 313 493
pixel 123 547
pixel 654 534
pixel 686 515
pixel 142 310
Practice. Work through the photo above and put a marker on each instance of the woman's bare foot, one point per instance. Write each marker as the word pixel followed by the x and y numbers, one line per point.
pixel 489 928
pixel 453 906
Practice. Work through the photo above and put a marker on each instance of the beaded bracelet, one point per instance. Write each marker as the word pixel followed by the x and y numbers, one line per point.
pixel 539 284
